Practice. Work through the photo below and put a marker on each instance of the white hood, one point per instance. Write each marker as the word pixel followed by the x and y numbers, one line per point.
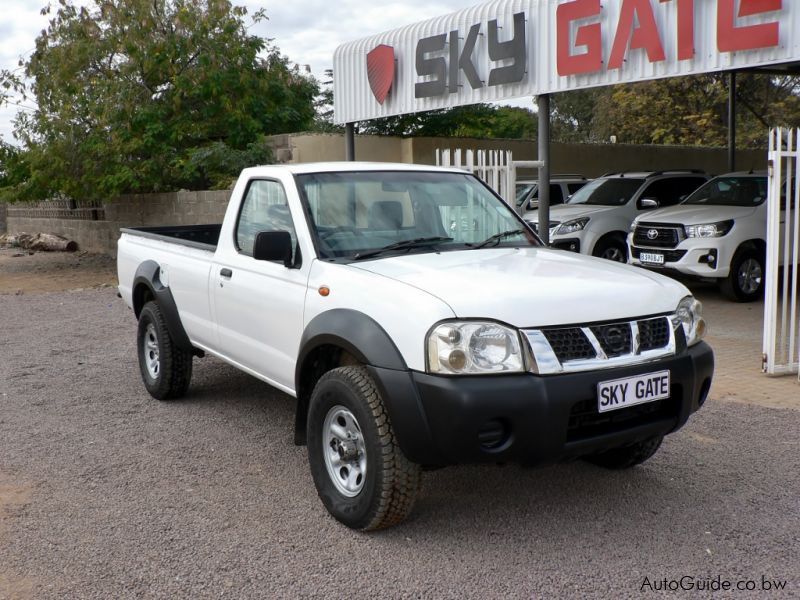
pixel 566 212
pixel 696 214
pixel 529 287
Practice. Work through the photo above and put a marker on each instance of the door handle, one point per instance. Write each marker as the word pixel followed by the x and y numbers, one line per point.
pixel 226 273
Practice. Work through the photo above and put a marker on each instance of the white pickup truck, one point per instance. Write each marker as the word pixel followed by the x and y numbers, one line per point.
pixel 409 344
pixel 719 232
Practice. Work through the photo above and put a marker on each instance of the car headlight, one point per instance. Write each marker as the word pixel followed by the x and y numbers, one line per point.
pixel 709 230
pixel 474 348
pixel 572 226
pixel 689 315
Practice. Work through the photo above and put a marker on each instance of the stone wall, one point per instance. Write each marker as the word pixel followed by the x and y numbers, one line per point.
pixel 141 210
pixel 3 224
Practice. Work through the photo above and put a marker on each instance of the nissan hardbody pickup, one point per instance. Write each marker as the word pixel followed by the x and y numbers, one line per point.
pixel 419 322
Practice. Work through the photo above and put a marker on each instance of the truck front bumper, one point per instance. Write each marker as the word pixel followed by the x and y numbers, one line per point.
pixel 533 419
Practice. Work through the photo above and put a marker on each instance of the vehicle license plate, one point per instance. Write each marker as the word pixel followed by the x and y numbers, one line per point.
pixel 630 391
pixel 651 258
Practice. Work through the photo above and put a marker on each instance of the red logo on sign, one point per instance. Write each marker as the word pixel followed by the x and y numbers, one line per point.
pixel 380 71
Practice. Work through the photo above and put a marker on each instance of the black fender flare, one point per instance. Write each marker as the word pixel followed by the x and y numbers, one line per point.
pixel 147 276
pixel 360 336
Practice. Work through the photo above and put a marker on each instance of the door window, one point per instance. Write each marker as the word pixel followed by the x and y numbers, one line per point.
pixel 265 208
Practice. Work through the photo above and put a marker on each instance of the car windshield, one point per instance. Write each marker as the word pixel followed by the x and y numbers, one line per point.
pixel 731 191
pixel 357 215
pixel 524 189
pixel 607 192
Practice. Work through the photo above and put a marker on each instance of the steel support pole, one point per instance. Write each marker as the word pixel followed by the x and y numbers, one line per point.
pixel 544 171
pixel 350 141
pixel 732 121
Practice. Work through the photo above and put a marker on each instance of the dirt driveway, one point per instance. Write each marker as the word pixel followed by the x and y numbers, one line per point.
pixel 107 493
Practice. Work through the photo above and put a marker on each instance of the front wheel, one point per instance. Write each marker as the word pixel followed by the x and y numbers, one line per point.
pixel 611 249
pixel 361 475
pixel 745 283
pixel 627 456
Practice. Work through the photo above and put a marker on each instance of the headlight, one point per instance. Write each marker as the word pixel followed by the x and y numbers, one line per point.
pixel 709 230
pixel 572 226
pixel 474 348
pixel 689 314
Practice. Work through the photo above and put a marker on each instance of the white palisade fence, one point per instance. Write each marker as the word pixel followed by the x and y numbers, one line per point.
pixel 495 167
pixel 781 319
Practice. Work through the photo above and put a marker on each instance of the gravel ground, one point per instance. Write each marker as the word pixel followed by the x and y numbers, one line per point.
pixel 106 493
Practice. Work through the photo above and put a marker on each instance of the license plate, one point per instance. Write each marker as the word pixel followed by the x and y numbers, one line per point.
pixel 630 391
pixel 651 258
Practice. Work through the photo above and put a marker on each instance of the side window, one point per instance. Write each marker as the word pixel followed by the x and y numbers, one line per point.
pixel 574 187
pixel 556 195
pixel 684 186
pixel 264 208
pixel 671 191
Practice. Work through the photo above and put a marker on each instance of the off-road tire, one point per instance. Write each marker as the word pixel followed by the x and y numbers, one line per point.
pixel 611 248
pixel 175 364
pixel 626 456
pixel 731 286
pixel 391 481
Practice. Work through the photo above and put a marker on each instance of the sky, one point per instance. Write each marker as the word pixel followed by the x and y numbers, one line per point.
pixel 307 31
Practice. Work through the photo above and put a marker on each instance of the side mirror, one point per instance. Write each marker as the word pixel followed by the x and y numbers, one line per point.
pixel 274 245
pixel 648 203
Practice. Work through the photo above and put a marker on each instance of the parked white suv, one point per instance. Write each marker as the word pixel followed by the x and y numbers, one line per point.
pixel 719 232
pixel 598 217
pixel 561 188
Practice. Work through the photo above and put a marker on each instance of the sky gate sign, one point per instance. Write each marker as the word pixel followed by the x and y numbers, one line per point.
pixel 514 48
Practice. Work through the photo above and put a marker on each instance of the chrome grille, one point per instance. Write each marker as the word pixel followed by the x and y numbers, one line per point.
pixel 658 235
pixel 569 344
pixel 603 346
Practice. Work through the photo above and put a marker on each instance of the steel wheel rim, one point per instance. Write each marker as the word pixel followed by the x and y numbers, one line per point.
pixel 344 451
pixel 750 276
pixel 614 254
pixel 150 351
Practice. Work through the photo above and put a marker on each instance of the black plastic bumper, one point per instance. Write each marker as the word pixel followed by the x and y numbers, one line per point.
pixel 533 419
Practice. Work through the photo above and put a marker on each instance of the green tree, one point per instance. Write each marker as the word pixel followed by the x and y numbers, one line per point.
pixel 154 95
pixel 682 110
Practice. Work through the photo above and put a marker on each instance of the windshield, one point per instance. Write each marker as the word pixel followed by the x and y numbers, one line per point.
pixel 523 190
pixel 607 192
pixel 355 214
pixel 731 191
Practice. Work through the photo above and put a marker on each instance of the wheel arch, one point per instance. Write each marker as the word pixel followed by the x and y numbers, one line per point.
pixel 147 287
pixel 616 235
pixel 336 338
pixel 755 244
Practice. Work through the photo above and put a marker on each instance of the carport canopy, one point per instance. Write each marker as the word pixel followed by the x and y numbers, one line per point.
pixel 509 49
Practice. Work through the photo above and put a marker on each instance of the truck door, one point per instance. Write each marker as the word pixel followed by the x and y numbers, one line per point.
pixel 259 304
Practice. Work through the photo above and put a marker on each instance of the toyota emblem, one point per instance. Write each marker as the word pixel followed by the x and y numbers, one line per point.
pixel 652 234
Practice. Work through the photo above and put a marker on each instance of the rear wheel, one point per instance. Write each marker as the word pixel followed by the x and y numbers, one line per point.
pixel 745 282
pixel 611 249
pixel 166 369
pixel 627 456
pixel 362 477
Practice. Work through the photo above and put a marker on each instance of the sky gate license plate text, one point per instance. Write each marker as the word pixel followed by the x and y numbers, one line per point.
pixel 620 393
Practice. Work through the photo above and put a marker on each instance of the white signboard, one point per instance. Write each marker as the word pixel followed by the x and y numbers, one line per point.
pixel 513 48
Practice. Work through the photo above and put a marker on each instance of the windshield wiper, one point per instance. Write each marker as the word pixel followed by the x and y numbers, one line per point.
pixel 496 238
pixel 405 244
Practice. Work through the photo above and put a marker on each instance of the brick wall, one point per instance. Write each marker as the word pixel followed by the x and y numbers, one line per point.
pixel 140 210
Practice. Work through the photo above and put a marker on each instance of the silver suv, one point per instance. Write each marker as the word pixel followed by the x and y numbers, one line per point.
pixel 561 188
pixel 598 217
